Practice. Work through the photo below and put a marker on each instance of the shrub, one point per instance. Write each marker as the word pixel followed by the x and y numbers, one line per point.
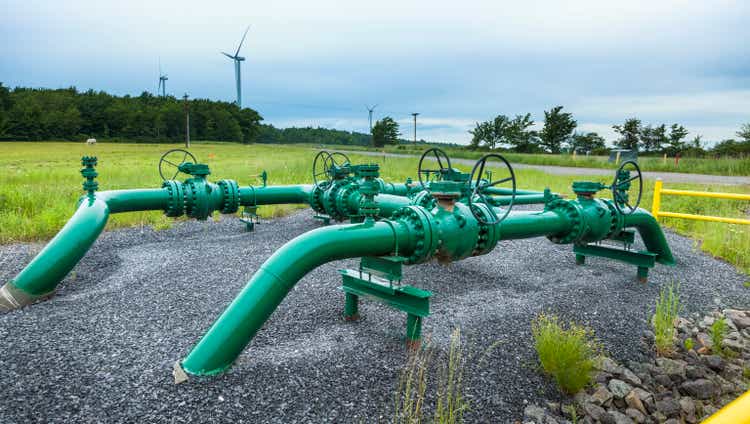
pixel 569 355
pixel 718 330
pixel 667 308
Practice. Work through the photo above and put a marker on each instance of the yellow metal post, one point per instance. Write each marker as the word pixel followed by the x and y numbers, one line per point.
pixel 656 204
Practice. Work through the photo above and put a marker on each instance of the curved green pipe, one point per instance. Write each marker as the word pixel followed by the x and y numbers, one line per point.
pixel 242 319
pixel 41 276
pixel 521 199
pixel 651 233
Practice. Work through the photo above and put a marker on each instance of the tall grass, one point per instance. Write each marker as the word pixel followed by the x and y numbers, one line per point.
pixel 567 354
pixel 665 315
pixel 718 331
pixel 416 385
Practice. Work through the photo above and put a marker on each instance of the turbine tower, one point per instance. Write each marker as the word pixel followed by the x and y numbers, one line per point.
pixel 162 82
pixel 370 110
pixel 237 59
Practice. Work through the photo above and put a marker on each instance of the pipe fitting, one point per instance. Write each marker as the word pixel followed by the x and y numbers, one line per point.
pixel 176 200
pixel 231 193
pixel 574 215
pixel 489 234
pixel 423 229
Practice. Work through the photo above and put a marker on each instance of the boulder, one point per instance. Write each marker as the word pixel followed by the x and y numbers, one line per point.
pixel 669 407
pixel 740 319
pixel 619 388
pixel 700 389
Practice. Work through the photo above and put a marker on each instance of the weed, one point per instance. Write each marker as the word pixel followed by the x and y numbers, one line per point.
pixel 667 308
pixel 573 414
pixel 451 403
pixel 746 284
pixel 689 344
pixel 409 398
pixel 569 355
pixel 717 331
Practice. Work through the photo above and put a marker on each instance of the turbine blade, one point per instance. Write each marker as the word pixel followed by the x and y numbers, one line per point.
pixel 242 41
pixel 227 55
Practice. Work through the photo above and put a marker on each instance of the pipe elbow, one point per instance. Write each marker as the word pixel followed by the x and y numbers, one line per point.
pixel 40 277
pixel 651 234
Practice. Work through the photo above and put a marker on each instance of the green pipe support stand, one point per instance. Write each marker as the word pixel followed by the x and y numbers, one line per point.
pixel 379 279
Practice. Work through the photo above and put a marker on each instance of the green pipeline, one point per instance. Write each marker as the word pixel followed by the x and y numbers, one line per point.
pixel 243 318
pixel 446 232
pixel 40 277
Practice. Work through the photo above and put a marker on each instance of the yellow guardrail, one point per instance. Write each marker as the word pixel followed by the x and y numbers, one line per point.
pixel 659 190
pixel 738 411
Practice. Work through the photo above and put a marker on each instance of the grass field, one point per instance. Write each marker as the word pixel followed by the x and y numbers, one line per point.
pixel 715 166
pixel 40 183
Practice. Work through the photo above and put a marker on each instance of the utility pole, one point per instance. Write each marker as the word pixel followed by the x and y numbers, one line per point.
pixel 187 122
pixel 415 126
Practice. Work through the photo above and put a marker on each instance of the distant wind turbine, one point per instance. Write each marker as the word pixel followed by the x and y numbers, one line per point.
pixel 370 110
pixel 162 82
pixel 237 59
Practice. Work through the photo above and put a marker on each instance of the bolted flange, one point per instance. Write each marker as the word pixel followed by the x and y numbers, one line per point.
pixel 424 228
pixel 573 212
pixel 176 203
pixel 489 234
pixel 231 193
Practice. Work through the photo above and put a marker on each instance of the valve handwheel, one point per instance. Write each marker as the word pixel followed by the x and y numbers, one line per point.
pixel 622 184
pixel 444 162
pixel 319 170
pixel 173 159
pixel 481 184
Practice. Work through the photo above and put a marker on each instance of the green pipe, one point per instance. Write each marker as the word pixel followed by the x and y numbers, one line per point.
pixel 271 195
pixel 651 233
pixel 522 224
pixel 242 319
pixel 502 191
pixel 42 275
pixel 522 199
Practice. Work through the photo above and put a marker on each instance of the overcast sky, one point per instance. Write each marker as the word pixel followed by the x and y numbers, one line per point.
pixel 319 62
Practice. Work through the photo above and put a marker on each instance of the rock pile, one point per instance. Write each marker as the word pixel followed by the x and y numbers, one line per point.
pixel 686 387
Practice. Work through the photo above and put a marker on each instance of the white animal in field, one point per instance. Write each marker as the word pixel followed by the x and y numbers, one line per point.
pixel 91 141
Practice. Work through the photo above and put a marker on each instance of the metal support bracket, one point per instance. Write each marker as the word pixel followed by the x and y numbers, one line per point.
pixel 379 278
pixel 644 260
pixel 250 217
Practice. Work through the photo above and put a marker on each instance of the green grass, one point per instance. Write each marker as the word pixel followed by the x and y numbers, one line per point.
pixel 568 354
pixel 40 183
pixel 715 166
pixel 667 308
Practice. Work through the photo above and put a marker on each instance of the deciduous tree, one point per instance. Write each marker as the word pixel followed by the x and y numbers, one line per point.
pixel 385 131
pixel 558 128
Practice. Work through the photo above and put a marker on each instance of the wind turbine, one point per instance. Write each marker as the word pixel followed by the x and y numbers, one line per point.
pixel 162 82
pixel 237 59
pixel 370 110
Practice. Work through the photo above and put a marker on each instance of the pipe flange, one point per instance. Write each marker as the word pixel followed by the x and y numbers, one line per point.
pixel 618 220
pixel 196 199
pixel 574 214
pixel 316 197
pixel 489 234
pixel 329 199
pixel 176 201
pixel 342 200
pixel 231 192
pixel 424 199
pixel 422 224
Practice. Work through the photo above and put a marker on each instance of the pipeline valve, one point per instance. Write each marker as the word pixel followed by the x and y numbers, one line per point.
pixel 89 172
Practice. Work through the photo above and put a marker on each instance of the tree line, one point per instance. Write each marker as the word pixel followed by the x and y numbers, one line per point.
pixel 28 114
pixel 559 134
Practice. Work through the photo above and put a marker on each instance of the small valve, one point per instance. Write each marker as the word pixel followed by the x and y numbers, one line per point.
pixel 89 172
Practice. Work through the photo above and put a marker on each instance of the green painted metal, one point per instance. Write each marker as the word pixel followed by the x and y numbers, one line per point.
pixel 638 258
pixel 256 302
pixel 651 234
pixel 406 298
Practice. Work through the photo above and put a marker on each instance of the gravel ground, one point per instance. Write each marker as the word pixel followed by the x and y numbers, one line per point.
pixel 102 350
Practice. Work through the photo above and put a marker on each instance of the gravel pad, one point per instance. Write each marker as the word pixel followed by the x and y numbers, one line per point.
pixel 102 350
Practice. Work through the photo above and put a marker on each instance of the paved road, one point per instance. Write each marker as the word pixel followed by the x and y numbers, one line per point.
pixel 673 177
